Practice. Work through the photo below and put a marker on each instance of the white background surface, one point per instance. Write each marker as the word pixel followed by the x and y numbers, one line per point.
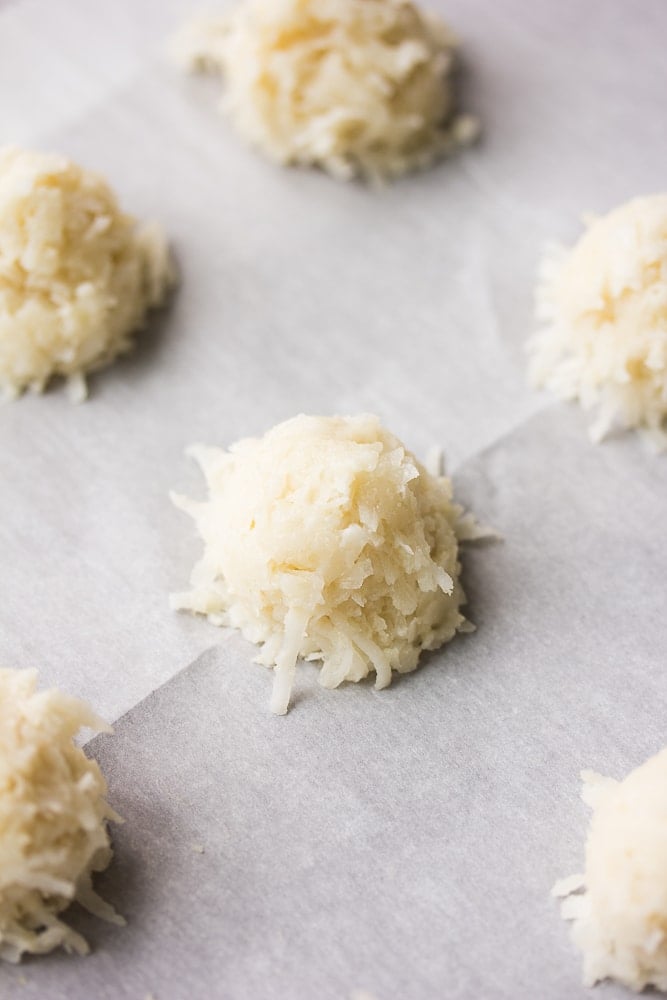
pixel 301 294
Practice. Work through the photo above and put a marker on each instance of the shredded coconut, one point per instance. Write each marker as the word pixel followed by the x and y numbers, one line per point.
pixel 77 276
pixel 353 86
pixel 326 539
pixel 604 304
pixel 620 920
pixel 53 818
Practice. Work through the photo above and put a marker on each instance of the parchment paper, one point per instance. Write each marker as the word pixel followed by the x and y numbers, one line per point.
pixel 401 842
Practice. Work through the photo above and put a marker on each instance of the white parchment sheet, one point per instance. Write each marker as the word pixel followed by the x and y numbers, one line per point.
pixel 403 842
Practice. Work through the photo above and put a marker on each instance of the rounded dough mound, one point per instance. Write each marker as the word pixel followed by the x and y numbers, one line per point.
pixel 76 275
pixel 53 817
pixel 605 306
pixel 326 539
pixel 353 86
pixel 620 922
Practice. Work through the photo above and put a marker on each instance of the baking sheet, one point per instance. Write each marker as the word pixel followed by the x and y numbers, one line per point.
pixel 451 800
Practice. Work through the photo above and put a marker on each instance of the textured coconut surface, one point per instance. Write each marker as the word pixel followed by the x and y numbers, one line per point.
pixel 53 818
pixel 618 920
pixel 604 303
pixel 360 88
pixel 77 276
pixel 400 842
pixel 326 540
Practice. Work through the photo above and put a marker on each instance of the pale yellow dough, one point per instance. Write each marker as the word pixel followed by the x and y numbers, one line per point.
pixel 77 275
pixel 620 919
pixel 327 540
pixel 352 86
pixel 53 818
pixel 604 309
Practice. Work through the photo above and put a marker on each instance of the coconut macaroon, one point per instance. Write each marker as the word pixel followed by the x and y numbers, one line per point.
pixel 53 818
pixel 620 920
pixel 327 540
pixel 77 275
pixel 352 86
pixel 604 306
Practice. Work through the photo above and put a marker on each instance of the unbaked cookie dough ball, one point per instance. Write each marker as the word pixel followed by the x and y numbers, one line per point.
pixel 604 306
pixel 53 818
pixel 620 920
pixel 352 86
pixel 77 276
pixel 327 540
